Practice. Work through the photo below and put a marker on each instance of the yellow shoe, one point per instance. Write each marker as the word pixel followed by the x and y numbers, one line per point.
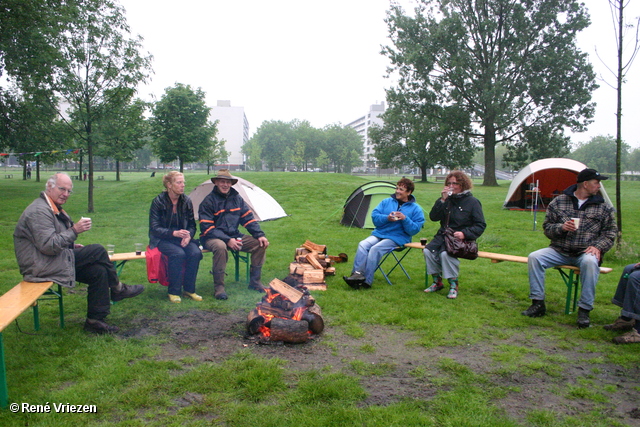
pixel 174 299
pixel 193 296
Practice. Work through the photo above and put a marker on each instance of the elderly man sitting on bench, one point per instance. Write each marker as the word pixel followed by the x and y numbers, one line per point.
pixel 44 242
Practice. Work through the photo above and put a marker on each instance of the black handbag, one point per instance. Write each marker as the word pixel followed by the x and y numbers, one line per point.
pixel 459 248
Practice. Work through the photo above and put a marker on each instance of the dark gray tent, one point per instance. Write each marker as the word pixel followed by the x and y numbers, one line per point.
pixel 360 204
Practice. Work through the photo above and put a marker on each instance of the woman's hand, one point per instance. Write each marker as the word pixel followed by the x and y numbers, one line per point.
pixel 181 234
pixel 458 235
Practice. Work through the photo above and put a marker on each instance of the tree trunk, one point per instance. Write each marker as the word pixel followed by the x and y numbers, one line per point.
pixel 490 156
pixel 117 170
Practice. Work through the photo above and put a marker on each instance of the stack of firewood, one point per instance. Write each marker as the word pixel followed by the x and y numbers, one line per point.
pixel 311 265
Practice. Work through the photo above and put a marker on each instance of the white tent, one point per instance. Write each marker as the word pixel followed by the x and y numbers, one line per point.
pixel 551 176
pixel 264 206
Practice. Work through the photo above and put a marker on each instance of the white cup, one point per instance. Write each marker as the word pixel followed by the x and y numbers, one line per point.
pixel 576 222
pixel 111 249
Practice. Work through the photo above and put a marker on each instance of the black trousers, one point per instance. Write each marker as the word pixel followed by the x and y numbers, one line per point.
pixel 94 268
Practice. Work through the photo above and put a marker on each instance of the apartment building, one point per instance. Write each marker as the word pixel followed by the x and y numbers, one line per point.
pixel 362 125
pixel 233 127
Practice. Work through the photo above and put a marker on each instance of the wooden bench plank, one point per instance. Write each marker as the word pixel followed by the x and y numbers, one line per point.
pixel 495 257
pixel 18 299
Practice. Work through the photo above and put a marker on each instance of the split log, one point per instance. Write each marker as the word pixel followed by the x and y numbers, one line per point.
pixel 285 290
pixel 302 251
pixel 298 268
pixel 313 276
pixel 313 261
pixel 288 330
pixel 269 310
pixel 315 247
pixel 342 257
pixel 330 271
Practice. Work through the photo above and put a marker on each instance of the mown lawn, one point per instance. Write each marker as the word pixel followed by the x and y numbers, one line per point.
pixel 131 385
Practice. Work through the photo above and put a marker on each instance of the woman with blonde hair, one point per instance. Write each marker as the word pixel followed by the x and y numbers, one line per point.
pixel 458 209
pixel 171 228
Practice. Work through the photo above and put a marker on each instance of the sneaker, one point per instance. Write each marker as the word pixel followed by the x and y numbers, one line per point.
pixel 126 291
pixel 175 299
pixel 632 337
pixel 99 327
pixel 193 296
pixel 537 309
pixel 434 287
pixel 583 318
pixel 453 293
pixel 621 325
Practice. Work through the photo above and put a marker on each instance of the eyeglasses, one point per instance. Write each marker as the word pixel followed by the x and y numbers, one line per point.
pixel 65 190
pixel 453 183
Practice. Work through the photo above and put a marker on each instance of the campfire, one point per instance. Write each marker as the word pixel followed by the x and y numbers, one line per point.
pixel 288 314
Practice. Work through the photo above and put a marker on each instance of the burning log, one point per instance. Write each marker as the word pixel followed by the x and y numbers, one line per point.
pixel 289 330
pixel 285 314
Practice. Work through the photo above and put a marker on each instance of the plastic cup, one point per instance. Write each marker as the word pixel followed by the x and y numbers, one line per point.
pixel 111 249
pixel 576 222
pixel 423 241
pixel 139 248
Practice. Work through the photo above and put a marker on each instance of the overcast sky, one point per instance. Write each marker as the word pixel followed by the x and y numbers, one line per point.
pixel 319 61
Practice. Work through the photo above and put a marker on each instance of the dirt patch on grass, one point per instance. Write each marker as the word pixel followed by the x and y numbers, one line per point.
pixel 391 368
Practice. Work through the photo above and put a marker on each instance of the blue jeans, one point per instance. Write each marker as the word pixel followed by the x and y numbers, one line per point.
pixel 627 294
pixel 183 265
pixel 545 258
pixel 370 252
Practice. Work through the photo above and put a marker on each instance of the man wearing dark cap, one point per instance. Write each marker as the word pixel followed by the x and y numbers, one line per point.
pixel 582 228
pixel 220 214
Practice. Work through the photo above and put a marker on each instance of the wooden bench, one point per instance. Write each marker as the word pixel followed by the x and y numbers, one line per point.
pixel 120 259
pixel 440 178
pixel 100 177
pixel 8 175
pixel 571 277
pixel 15 302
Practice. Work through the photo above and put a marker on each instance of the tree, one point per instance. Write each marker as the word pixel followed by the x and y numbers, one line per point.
pixel 215 153
pixel 181 125
pixel 510 65
pixel 344 147
pixel 620 74
pixel 33 129
pixel 122 128
pixel 421 134
pixel 538 142
pixel 101 61
pixel 272 138
pixel 600 153
pixel 30 37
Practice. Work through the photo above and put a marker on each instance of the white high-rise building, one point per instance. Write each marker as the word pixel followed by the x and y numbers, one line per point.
pixel 233 127
pixel 362 125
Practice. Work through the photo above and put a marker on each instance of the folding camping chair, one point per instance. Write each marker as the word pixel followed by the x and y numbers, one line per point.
pixel 398 262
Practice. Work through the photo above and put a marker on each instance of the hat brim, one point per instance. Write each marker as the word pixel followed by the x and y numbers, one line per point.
pixel 234 181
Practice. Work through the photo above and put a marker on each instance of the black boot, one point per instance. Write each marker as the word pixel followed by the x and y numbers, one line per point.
pixel 583 318
pixel 254 279
pixel 356 280
pixel 123 291
pixel 537 309
pixel 99 327
pixel 218 286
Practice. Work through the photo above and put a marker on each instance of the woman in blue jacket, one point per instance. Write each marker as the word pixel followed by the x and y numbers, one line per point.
pixel 463 212
pixel 396 219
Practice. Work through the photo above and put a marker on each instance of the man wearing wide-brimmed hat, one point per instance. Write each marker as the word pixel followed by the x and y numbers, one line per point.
pixel 582 228
pixel 220 214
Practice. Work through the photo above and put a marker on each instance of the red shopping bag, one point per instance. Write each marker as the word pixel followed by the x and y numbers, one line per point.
pixel 156 267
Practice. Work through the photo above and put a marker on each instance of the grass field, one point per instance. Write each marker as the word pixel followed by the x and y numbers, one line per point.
pixel 391 355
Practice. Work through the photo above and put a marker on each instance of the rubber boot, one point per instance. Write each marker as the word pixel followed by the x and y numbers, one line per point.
pixel 453 288
pixel 254 279
pixel 218 285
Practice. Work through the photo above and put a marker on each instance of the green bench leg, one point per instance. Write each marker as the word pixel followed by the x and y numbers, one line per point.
pixel 241 257
pixel 572 281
